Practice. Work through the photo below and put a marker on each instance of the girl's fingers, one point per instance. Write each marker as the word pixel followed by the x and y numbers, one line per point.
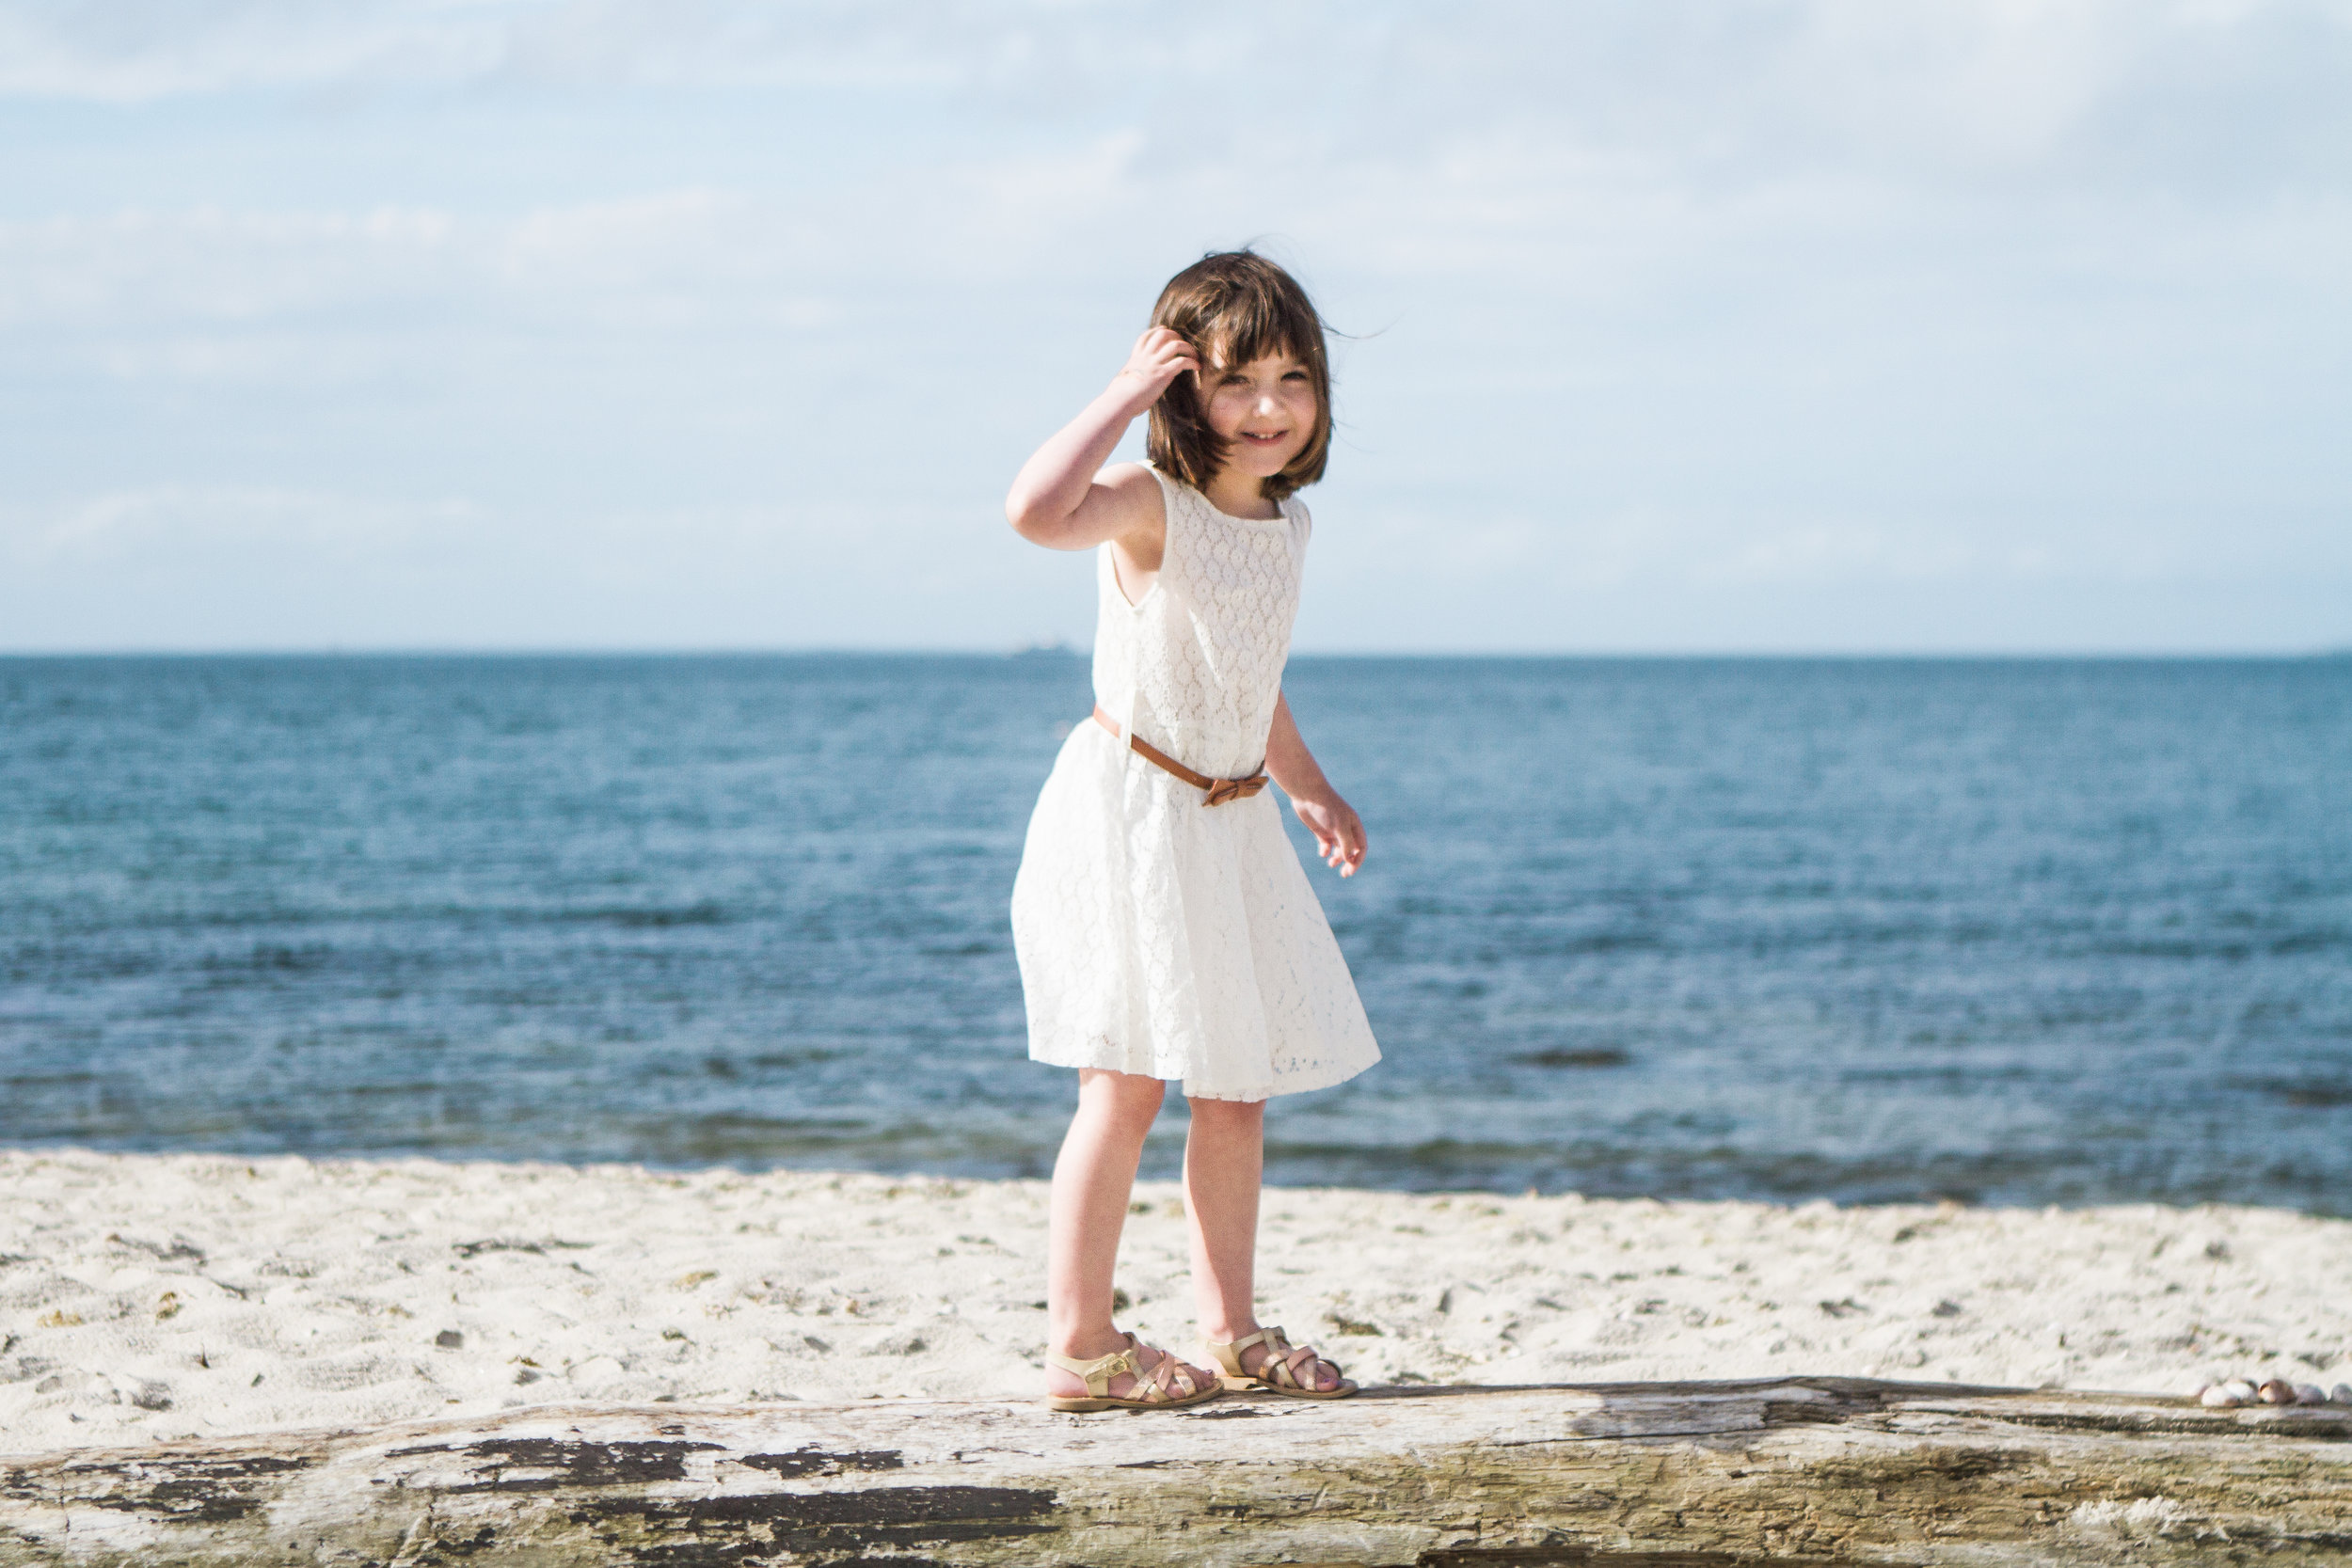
pixel 1160 357
pixel 1339 837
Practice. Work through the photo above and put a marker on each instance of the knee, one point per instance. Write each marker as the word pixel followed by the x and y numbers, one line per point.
pixel 1126 1103
pixel 1227 1115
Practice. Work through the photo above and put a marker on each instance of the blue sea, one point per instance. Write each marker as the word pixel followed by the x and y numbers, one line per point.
pixel 2009 932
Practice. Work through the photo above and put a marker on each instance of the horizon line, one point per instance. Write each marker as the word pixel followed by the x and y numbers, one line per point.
pixel 1076 651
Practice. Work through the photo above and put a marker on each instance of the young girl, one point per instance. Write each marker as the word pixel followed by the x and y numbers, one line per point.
pixel 1164 925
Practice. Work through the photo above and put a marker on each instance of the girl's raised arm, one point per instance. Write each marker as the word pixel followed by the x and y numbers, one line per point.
pixel 1055 501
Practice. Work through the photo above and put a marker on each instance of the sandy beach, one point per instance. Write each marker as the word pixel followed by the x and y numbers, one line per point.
pixel 154 1297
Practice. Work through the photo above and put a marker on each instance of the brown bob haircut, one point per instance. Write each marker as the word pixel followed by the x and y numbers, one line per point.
pixel 1233 307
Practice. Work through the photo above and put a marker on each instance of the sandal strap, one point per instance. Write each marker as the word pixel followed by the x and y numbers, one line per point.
pixel 1097 1373
pixel 1227 1351
pixel 1230 1350
pixel 1285 1368
pixel 1282 1361
pixel 1153 1386
pixel 1159 1384
pixel 1274 1369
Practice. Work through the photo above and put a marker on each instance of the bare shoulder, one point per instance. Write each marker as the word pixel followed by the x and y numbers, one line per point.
pixel 1135 507
pixel 1136 488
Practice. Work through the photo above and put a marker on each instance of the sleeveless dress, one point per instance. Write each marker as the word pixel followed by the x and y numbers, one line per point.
pixel 1155 935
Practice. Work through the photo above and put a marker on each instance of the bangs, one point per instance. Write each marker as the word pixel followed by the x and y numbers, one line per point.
pixel 1259 323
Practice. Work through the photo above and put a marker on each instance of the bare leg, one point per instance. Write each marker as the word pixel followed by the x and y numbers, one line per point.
pixel 1224 1167
pixel 1092 1182
pixel 1224 1160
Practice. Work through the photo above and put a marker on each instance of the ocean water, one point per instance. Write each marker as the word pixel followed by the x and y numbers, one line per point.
pixel 2005 931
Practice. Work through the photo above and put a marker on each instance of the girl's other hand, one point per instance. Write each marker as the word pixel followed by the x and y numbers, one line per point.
pixel 1159 357
pixel 1338 831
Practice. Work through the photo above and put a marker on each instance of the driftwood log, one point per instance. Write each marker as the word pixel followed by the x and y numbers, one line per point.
pixel 1813 1470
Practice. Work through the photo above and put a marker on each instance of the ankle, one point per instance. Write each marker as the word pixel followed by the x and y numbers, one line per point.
pixel 1089 1341
pixel 1224 1332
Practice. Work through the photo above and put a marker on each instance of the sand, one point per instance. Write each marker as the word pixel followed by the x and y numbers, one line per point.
pixel 145 1298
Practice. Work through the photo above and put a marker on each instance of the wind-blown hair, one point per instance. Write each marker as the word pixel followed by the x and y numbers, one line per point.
pixel 1233 307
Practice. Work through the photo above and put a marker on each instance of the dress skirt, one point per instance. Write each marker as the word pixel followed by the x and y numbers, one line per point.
pixel 1160 937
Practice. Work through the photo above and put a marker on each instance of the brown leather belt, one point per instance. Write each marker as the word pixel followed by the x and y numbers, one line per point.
pixel 1219 790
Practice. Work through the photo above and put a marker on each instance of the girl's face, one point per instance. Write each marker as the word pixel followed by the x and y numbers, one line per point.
pixel 1263 410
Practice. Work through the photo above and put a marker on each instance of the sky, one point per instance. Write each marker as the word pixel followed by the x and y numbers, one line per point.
pixel 1998 327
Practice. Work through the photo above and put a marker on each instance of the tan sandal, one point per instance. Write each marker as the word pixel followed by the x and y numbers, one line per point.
pixel 1282 1360
pixel 1156 1385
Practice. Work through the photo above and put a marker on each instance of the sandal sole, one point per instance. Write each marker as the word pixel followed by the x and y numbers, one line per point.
pixel 1078 1404
pixel 1244 1385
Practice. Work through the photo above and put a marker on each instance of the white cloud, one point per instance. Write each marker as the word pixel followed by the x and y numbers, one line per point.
pixel 673 259
pixel 189 520
pixel 1706 85
pixel 225 566
pixel 1680 298
pixel 210 265
pixel 141 50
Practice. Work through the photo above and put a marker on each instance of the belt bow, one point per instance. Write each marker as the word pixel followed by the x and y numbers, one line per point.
pixel 1218 790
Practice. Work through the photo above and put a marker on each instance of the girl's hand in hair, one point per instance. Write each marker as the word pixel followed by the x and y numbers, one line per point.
pixel 1065 499
pixel 1159 357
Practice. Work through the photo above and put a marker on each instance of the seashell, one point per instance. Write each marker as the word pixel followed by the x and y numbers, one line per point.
pixel 2240 1390
pixel 2340 1394
pixel 2276 1390
pixel 2216 1398
pixel 2310 1393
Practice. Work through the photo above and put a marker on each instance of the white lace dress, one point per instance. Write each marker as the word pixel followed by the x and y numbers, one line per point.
pixel 1158 936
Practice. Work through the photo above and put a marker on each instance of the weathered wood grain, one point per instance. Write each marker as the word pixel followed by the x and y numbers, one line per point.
pixel 1817 1471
